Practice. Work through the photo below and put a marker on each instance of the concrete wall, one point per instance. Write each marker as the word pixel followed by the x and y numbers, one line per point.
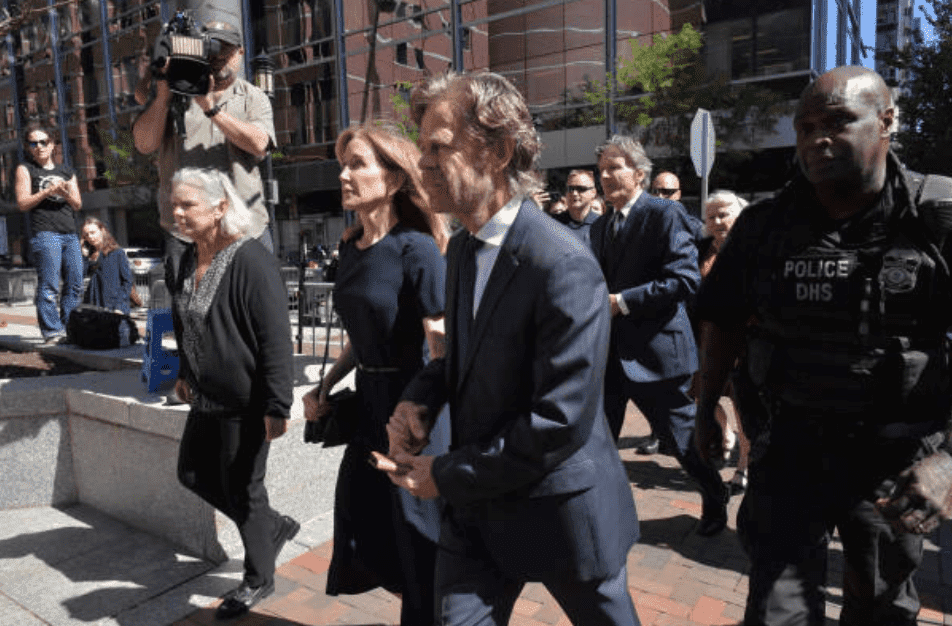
pixel 36 465
pixel 100 439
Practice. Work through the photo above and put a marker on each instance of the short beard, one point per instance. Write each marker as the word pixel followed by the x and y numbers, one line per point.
pixel 473 197
pixel 223 77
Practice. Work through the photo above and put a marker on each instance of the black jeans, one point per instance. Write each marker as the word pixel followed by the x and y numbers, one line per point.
pixel 812 479
pixel 223 458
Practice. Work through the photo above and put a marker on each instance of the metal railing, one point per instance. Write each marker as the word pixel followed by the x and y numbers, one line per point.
pixel 309 314
pixel 312 310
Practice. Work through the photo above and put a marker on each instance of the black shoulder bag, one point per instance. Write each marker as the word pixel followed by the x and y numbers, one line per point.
pixel 338 426
pixel 98 328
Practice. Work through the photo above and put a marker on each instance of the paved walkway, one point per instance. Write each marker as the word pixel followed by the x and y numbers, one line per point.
pixel 675 577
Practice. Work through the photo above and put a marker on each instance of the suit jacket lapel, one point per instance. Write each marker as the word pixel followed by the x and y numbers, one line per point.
pixel 452 272
pixel 502 272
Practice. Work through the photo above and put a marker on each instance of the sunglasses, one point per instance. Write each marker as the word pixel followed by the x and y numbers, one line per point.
pixel 660 191
pixel 578 189
pixel 42 142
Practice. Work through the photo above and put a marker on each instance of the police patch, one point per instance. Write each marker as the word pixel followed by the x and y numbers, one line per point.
pixel 818 278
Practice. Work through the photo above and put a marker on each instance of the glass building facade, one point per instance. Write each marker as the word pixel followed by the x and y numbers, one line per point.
pixel 74 66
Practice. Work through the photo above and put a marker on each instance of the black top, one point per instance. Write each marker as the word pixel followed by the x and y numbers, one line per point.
pixel 110 281
pixel 833 306
pixel 383 292
pixel 53 214
pixel 244 359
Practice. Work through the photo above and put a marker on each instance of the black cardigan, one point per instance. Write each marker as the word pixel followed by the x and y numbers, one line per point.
pixel 247 364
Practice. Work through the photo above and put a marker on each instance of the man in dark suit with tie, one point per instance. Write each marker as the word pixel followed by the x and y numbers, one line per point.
pixel 533 484
pixel 649 258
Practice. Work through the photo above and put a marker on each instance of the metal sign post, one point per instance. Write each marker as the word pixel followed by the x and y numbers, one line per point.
pixel 702 150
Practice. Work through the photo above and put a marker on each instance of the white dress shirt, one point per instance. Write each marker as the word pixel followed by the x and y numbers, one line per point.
pixel 492 234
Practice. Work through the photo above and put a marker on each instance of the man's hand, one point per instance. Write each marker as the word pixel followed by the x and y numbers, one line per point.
pixel 407 430
pixel 274 427
pixel 922 497
pixel 418 480
pixel 209 99
pixel 709 437
pixel 613 303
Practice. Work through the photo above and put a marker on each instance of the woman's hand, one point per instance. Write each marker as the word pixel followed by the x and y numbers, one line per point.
pixel 183 391
pixel 316 405
pixel 274 427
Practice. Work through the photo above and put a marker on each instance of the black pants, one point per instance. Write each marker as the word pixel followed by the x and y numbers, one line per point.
pixel 223 458
pixel 670 411
pixel 815 478
pixel 471 590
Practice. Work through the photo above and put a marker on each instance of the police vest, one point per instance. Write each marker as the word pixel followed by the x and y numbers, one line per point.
pixel 857 328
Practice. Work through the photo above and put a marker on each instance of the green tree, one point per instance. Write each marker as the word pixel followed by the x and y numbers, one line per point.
pixel 924 136
pixel 133 181
pixel 662 85
pixel 401 109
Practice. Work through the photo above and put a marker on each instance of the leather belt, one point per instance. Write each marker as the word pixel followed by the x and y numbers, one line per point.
pixel 370 369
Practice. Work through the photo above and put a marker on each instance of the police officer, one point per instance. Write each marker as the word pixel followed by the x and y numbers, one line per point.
pixel 839 290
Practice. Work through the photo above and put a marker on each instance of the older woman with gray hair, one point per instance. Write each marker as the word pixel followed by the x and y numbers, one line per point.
pixel 234 339
pixel 721 210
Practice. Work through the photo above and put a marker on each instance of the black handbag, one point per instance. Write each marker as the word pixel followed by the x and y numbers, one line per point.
pixel 337 427
pixel 97 328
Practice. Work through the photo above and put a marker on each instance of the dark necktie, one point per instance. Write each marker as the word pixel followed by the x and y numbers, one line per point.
pixel 464 294
pixel 618 218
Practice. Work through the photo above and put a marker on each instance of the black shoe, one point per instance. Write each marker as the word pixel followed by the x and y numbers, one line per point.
pixel 737 484
pixel 712 522
pixel 240 600
pixel 287 530
pixel 648 446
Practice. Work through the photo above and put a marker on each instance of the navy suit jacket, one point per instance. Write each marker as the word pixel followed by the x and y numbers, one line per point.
pixel 532 465
pixel 654 268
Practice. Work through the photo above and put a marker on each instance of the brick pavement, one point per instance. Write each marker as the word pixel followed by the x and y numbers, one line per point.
pixel 675 577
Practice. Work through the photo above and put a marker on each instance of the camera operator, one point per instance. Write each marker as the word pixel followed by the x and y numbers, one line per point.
pixel 229 128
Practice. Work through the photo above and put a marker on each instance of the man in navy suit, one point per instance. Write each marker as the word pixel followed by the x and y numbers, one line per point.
pixel 533 484
pixel 649 257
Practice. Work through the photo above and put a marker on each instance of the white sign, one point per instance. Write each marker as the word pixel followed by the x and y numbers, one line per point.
pixel 702 142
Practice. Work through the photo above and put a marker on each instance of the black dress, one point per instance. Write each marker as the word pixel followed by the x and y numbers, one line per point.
pixel 383 536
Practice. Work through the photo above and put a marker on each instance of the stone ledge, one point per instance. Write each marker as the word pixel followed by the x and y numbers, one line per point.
pixel 116 449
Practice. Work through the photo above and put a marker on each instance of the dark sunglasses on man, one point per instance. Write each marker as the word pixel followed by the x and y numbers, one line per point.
pixel 578 189
pixel 664 193
pixel 41 143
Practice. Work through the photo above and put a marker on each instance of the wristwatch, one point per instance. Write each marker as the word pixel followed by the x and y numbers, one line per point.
pixel 212 112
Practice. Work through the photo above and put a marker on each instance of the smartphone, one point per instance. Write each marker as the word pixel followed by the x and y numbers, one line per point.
pixel 384 463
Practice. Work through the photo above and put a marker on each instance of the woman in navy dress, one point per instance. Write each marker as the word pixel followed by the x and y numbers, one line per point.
pixel 389 293
pixel 110 277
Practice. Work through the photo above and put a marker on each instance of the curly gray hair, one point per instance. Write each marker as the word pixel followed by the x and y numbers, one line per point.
pixel 632 149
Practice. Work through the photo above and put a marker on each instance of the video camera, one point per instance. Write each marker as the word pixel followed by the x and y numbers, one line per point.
pixel 189 49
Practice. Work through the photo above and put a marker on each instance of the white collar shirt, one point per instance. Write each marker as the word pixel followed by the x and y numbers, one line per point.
pixel 492 234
